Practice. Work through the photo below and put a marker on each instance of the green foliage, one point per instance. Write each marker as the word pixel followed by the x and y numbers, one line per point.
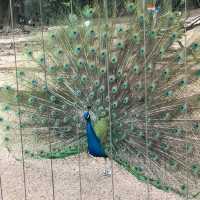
pixel 52 10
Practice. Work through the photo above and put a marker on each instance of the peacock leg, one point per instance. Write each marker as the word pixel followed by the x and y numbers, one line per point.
pixel 107 169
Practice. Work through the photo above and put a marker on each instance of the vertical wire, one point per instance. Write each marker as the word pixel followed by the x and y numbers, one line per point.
pixel 1 189
pixel 115 8
pixel 18 104
pixel 71 6
pixel 46 84
pixel 79 160
pixel 78 137
pixel 146 96
pixel 164 173
pixel 109 101
pixel 186 77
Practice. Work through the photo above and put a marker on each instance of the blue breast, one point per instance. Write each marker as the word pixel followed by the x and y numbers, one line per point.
pixel 95 147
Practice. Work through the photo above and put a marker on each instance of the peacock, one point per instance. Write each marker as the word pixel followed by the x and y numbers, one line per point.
pixel 121 84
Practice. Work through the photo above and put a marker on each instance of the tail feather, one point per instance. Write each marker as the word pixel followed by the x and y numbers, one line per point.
pixel 131 69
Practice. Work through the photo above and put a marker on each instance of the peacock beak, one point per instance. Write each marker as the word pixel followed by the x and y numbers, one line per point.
pixel 86 115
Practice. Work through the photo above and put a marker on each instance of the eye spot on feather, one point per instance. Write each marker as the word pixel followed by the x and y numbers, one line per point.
pixel 91 95
pixel 52 69
pixel 111 78
pixel 114 60
pixel 120 29
pixel 183 83
pixel 114 89
pixel 120 45
pixel 20 73
pixel 195 126
pixel 142 51
pixel 98 102
pixel 41 60
pixel 32 100
pixel 136 69
pixel 183 108
pixel 125 85
pixel 81 62
pixel 115 104
pixel 168 93
pixel 1 119
pixel 84 79
pixel 66 67
pixel 131 7
pixel 7 127
pixel 103 54
pixel 73 34
pixel 6 139
pixel 92 50
pixel 8 88
pixel 174 36
pixel 96 83
pixel 161 52
pixel 60 52
pixel 92 33
pixel 195 46
pixel 30 53
pixel 102 89
pixel 141 19
pixel 152 35
pixel 119 73
pixel 88 12
pixel 103 70
pixel 195 168
pixel 53 36
pixel 92 66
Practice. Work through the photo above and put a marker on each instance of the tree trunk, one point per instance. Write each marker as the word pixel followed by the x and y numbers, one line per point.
pixel 4 13
pixel 18 10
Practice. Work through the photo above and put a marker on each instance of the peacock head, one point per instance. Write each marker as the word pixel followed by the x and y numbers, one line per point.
pixel 86 116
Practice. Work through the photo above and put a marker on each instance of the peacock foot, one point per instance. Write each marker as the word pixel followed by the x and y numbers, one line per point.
pixel 107 172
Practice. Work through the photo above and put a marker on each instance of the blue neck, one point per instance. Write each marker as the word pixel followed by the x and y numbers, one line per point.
pixel 95 147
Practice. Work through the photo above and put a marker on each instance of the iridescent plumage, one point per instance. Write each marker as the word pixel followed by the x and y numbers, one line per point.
pixel 141 80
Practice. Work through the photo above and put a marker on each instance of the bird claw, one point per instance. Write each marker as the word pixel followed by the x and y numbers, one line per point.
pixel 107 173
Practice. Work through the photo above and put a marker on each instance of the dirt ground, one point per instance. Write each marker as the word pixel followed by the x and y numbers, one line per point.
pixel 94 185
pixel 65 176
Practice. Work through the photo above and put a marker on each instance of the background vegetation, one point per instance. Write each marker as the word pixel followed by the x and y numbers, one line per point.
pixel 25 10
